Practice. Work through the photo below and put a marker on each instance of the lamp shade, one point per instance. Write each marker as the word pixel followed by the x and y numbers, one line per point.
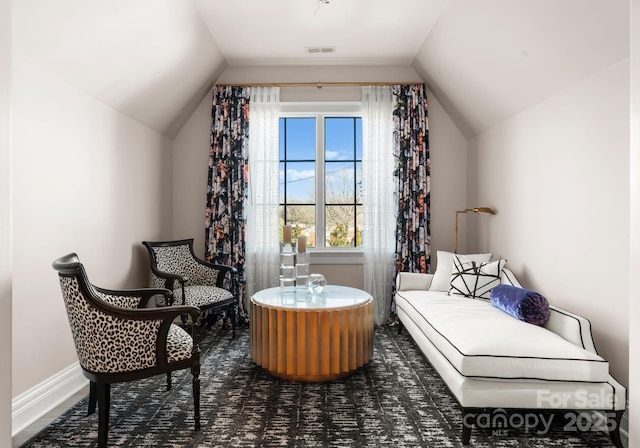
pixel 483 210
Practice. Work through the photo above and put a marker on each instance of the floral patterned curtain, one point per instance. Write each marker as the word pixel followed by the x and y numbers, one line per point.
pixel 411 149
pixel 227 181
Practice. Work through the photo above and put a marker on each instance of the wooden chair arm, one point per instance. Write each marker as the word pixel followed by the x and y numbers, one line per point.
pixel 161 313
pixel 168 275
pixel 144 294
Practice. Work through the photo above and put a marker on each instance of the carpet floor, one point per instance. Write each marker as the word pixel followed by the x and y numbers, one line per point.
pixel 397 400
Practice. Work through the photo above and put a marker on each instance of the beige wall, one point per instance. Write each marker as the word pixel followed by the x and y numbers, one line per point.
pixel 5 224
pixel 557 176
pixel 448 150
pixel 86 179
pixel 190 169
pixel 448 154
pixel 634 266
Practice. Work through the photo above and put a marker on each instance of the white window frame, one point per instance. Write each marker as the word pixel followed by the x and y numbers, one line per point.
pixel 321 110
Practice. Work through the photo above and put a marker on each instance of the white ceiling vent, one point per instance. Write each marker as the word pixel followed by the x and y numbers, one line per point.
pixel 319 50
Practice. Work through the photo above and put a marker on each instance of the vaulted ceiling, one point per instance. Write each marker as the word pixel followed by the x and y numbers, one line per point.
pixel 485 60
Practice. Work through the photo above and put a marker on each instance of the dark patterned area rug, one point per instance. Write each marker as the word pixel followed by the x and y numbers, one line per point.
pixel 397 400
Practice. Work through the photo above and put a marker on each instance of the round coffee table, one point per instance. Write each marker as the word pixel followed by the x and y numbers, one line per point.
pixel 303 337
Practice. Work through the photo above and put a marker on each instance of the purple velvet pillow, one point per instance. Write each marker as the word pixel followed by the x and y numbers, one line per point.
pixel 525 305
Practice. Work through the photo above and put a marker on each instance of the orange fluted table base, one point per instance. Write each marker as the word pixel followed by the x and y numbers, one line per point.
pixel 297 339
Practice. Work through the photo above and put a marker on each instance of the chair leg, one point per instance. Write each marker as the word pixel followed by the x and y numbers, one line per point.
pixel 93 397
pixel 168 380
pixel 195 372
pixel 233 315
pixel 104 401
pixel 466 427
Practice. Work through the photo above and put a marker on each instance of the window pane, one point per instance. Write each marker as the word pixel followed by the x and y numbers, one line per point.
pixel 339 183
pixel 359 222
pixel 341 189
pixel 302 219
pixel 339 138
pixel 300 182
pixel 300 139
pixel 340 225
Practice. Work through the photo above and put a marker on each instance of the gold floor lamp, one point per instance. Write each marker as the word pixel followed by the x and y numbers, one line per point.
pixel 479 210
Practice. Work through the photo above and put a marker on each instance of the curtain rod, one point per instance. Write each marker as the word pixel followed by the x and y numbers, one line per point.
pixel 318 84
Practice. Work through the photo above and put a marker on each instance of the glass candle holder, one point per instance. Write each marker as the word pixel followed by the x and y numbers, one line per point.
pixel 302 268
pixel 287 264
pixel 316 283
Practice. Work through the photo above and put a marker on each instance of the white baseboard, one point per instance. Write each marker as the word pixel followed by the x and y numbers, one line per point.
pixel 33 404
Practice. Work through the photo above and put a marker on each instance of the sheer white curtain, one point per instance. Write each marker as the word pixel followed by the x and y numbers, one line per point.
pixel 378 188
pixel 262 243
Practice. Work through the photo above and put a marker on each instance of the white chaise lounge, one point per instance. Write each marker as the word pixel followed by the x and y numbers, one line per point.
pixel 494 362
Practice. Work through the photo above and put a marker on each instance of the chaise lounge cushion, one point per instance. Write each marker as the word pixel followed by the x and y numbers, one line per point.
pixel 471 335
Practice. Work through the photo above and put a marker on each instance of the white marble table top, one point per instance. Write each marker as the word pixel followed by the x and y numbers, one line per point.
pixel 292 297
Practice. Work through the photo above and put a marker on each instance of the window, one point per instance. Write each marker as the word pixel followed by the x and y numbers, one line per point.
pixel 321 177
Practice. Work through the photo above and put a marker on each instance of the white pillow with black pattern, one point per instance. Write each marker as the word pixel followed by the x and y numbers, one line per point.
pixel 442 278
pixel 475 279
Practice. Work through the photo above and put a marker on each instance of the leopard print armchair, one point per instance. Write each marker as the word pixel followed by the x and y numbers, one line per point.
pixel 118 339
pixel 213 288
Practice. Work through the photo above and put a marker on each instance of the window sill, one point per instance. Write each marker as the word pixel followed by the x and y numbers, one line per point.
pixel 336 256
